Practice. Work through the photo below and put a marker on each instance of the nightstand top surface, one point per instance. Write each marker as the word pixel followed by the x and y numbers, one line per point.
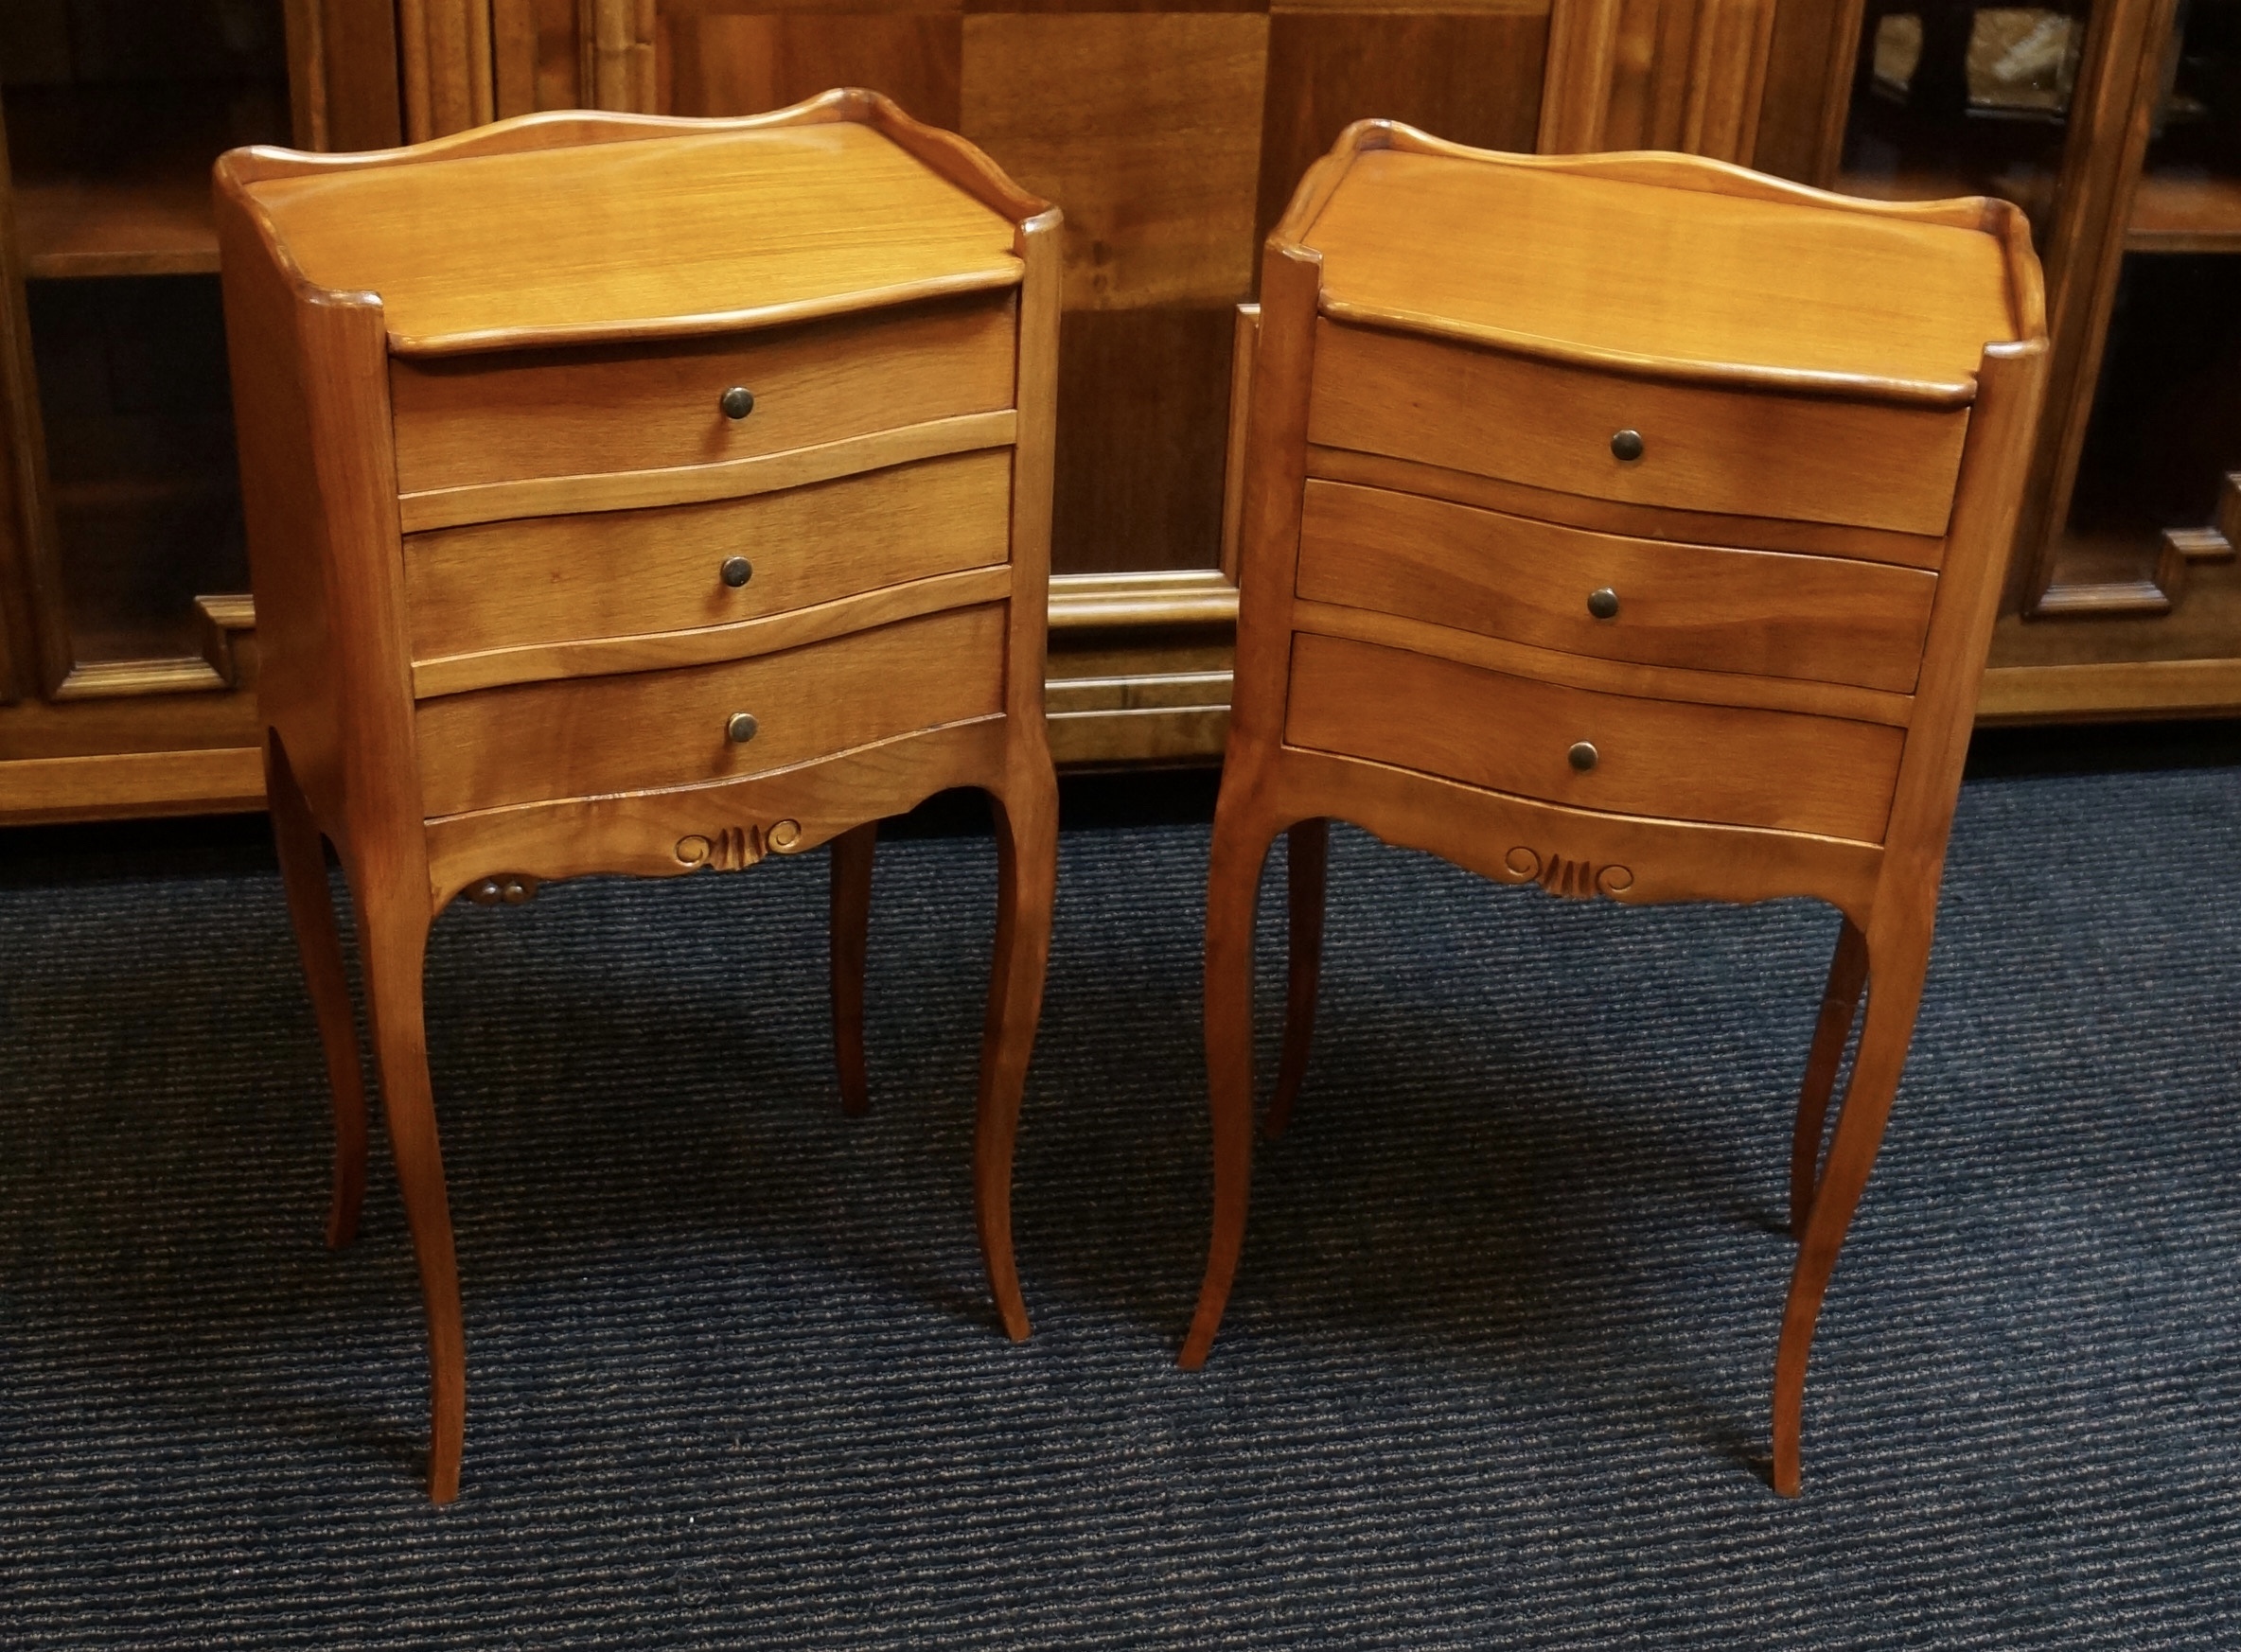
pixel 1533 251
pixel 664 235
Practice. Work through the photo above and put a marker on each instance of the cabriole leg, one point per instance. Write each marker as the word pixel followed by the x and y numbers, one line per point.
pixel 1027 879
pixel 394 924
pixel 1233 883
pixel 311 914
pixel 1840 1003
pixel 1893 994
pixel 1307 855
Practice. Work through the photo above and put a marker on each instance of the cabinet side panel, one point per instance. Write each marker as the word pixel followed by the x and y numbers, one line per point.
pixel 281 508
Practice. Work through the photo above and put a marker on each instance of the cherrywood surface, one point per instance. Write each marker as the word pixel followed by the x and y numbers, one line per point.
pixel 1721 609
pixel 1605 516
pixel 644 651
pixel 618 573
pixel 1509 733
pixel 1463 742
pixel 641 731
pixel 623 490
pixel 1603 673
pixel 1550 425
pixel 480 419
pixel 898 649
pixel 782 214
pixel 1662 274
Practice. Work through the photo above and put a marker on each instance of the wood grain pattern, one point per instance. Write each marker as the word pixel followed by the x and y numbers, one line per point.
pixel 622 574
pixel 1839 290
pixel 488 502
pixel 664 768
pixel 1472 72
pixel 1756 612
pixel 1513 759
pixel 781 216
pixel 454 674
pixel 649 730
pixel 1154 151
pixel 1603 674
pixel 1139 480
pixel 1607 516
pixel 468 421
pixel 740 57
pixel 1725 764
pixel 1704 450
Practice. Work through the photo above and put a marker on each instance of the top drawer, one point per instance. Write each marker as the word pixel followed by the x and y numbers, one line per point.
pixel 463 421
pixel 1738 453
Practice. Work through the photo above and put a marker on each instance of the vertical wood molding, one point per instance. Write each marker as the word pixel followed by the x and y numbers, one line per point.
pixel 448 81
pixel 35 648
pixel 618 46
pixel 305 28
pixel 1656 73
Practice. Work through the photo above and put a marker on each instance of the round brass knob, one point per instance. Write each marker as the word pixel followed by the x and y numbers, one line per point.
pixel 737 402
pixel 1623 445
pixel 1603 604
pixel 1582 756
pixel 737 570
pixel 740 728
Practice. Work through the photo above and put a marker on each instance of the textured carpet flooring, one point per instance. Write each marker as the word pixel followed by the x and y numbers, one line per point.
pixel 1497 1369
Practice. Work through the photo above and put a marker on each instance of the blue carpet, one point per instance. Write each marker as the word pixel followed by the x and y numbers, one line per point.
pixel 1495 1373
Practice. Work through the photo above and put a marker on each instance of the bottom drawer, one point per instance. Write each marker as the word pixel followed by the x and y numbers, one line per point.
pixel 649 729
pixel 1728 764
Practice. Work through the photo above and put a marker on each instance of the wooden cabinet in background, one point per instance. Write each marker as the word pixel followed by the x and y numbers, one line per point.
pixel 2113 122
pixel 2116 126
pixel 127 648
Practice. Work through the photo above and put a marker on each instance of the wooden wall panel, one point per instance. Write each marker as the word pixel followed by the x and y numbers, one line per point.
pixel 727 57
pixel 537 51
pixel 1472 75
pixel 1145 127
pixel 1143 406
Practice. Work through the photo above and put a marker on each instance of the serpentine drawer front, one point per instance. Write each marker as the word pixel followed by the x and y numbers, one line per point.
pixel 651 496
pixel 1632 526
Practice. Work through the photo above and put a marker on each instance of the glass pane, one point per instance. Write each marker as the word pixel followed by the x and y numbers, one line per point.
pixel 1957 99
pixel 2189 198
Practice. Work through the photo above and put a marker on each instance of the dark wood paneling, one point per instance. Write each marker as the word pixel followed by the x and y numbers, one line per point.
pixel 1143 403
pixel 1792 114
pixel 720 57
pixel 1475 78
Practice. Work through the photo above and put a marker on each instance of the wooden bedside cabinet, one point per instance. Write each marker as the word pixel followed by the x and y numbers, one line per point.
pixel 1632 525
pixel 645 495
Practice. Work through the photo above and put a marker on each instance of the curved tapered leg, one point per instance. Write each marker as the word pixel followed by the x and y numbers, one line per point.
pixel 1893 994
pixel 1233 883
pixel 311 914
pixel 851 931
pixel 1027 880
pixel 1840 1003
pixel 394 926
pixel 1307 857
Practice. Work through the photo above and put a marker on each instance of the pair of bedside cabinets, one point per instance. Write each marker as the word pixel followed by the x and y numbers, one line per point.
pixel 653 496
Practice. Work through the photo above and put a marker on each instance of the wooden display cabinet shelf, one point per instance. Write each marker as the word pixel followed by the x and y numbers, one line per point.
pixel 88 226
pixel 2179 213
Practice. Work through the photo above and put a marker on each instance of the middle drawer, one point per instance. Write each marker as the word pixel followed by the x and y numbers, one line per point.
pixel 1763 612
pixel 626 573
pixel 645 730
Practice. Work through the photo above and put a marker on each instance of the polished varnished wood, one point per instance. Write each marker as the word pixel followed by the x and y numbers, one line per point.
pixel 1727 451
pixel 623 573
pixel 1441 546
pixel 1714 608
pixel 495 496
pixel 645 730
pixel 1726 764
pixel 512 417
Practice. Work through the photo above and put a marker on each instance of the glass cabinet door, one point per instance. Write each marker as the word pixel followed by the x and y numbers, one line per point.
pixel 1951 98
